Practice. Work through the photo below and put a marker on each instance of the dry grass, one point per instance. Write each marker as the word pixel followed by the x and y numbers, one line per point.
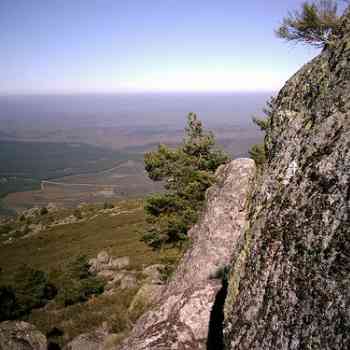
pixel 49 250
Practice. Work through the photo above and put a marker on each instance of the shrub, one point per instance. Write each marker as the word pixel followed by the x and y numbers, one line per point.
pixel 76 283
pixel 258 154
pixel 43 211
pixel 187 172
pixel 32 289
pixel 107 205
pixel 313 24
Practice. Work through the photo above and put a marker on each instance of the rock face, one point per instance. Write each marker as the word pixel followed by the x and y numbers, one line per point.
pixel 181 318
pixel 90 341
pixel 289 286
pixel 18 335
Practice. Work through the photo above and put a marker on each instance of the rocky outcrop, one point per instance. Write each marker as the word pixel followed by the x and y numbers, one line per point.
pixel 18 335
pixel 98 340
pixel 181 317
pixel 289 285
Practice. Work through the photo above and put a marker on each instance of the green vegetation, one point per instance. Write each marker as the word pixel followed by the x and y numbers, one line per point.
pixel 75 284
pixel 10 184
pixel 33 289
pixel 313 24
pixel 25 164
pixel 58 264
pixel 187 171
pixel 258 152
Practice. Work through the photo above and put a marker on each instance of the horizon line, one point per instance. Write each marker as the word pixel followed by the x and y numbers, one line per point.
pixel 130 92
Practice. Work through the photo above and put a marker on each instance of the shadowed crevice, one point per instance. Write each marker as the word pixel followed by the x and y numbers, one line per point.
pixel 215 334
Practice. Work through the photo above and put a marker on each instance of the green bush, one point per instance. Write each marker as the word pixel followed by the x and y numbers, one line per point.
pixel 76 284
pixel 258 154
pixel 187 172
pixel 79 291
pixel 43 211
pixel 32 289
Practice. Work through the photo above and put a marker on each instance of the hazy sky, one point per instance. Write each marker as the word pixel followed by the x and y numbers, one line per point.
pixel 140 45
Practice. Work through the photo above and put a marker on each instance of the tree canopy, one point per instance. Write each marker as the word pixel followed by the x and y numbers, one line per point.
pixel 313 24
pixel 187 172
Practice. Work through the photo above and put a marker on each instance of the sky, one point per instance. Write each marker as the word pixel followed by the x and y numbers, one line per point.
pixel 91 46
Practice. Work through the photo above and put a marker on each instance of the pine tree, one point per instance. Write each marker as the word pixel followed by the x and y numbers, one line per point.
pixel 187 172
pixel 313 24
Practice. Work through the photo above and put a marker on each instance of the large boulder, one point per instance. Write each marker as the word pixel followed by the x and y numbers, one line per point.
pixel 290 281
pixel 19 335
pixel 180 319
pixel 104 262
pixel 89 341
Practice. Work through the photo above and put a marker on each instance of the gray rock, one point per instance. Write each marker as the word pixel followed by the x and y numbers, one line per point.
pixel 152 273
pixel 290 281
pixel 103 258
pixel 94 265
pixel 128 282
pixel 31 212
pixel 19 335
pixel 106 274
pixel 180 319
pixel 145 296
pixel 120 263
pixel 89 341
pixel 105 262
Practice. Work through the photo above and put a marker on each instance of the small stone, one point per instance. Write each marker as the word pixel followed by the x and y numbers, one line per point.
pixel 103 257
pixel 120 263
pixel 128 282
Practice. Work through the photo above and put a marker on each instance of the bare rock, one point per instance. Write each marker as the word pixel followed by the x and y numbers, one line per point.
pixel 31 212
pixel 289 287
pixel 89 341
pixel 180 319
pixel 52 207
pixel 19 335
pixel 105 262
pixel 128 282
pixel 145 297
pixel 119 263
pixel 152 273
pixel 106 274
pixel 103 258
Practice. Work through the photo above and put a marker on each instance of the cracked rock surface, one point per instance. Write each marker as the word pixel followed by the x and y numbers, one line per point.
pixel 180 319
pixel 289 286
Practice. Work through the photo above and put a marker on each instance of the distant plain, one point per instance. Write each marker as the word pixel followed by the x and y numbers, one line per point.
pixel 69 149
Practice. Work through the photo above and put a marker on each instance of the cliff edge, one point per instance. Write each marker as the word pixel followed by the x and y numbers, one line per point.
pixel 289 285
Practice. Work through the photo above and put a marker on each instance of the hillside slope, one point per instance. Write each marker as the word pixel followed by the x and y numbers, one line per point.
pixel 294 292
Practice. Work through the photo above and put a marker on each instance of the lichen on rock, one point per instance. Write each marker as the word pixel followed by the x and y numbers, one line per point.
pixel 181 316
pixel 294 290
